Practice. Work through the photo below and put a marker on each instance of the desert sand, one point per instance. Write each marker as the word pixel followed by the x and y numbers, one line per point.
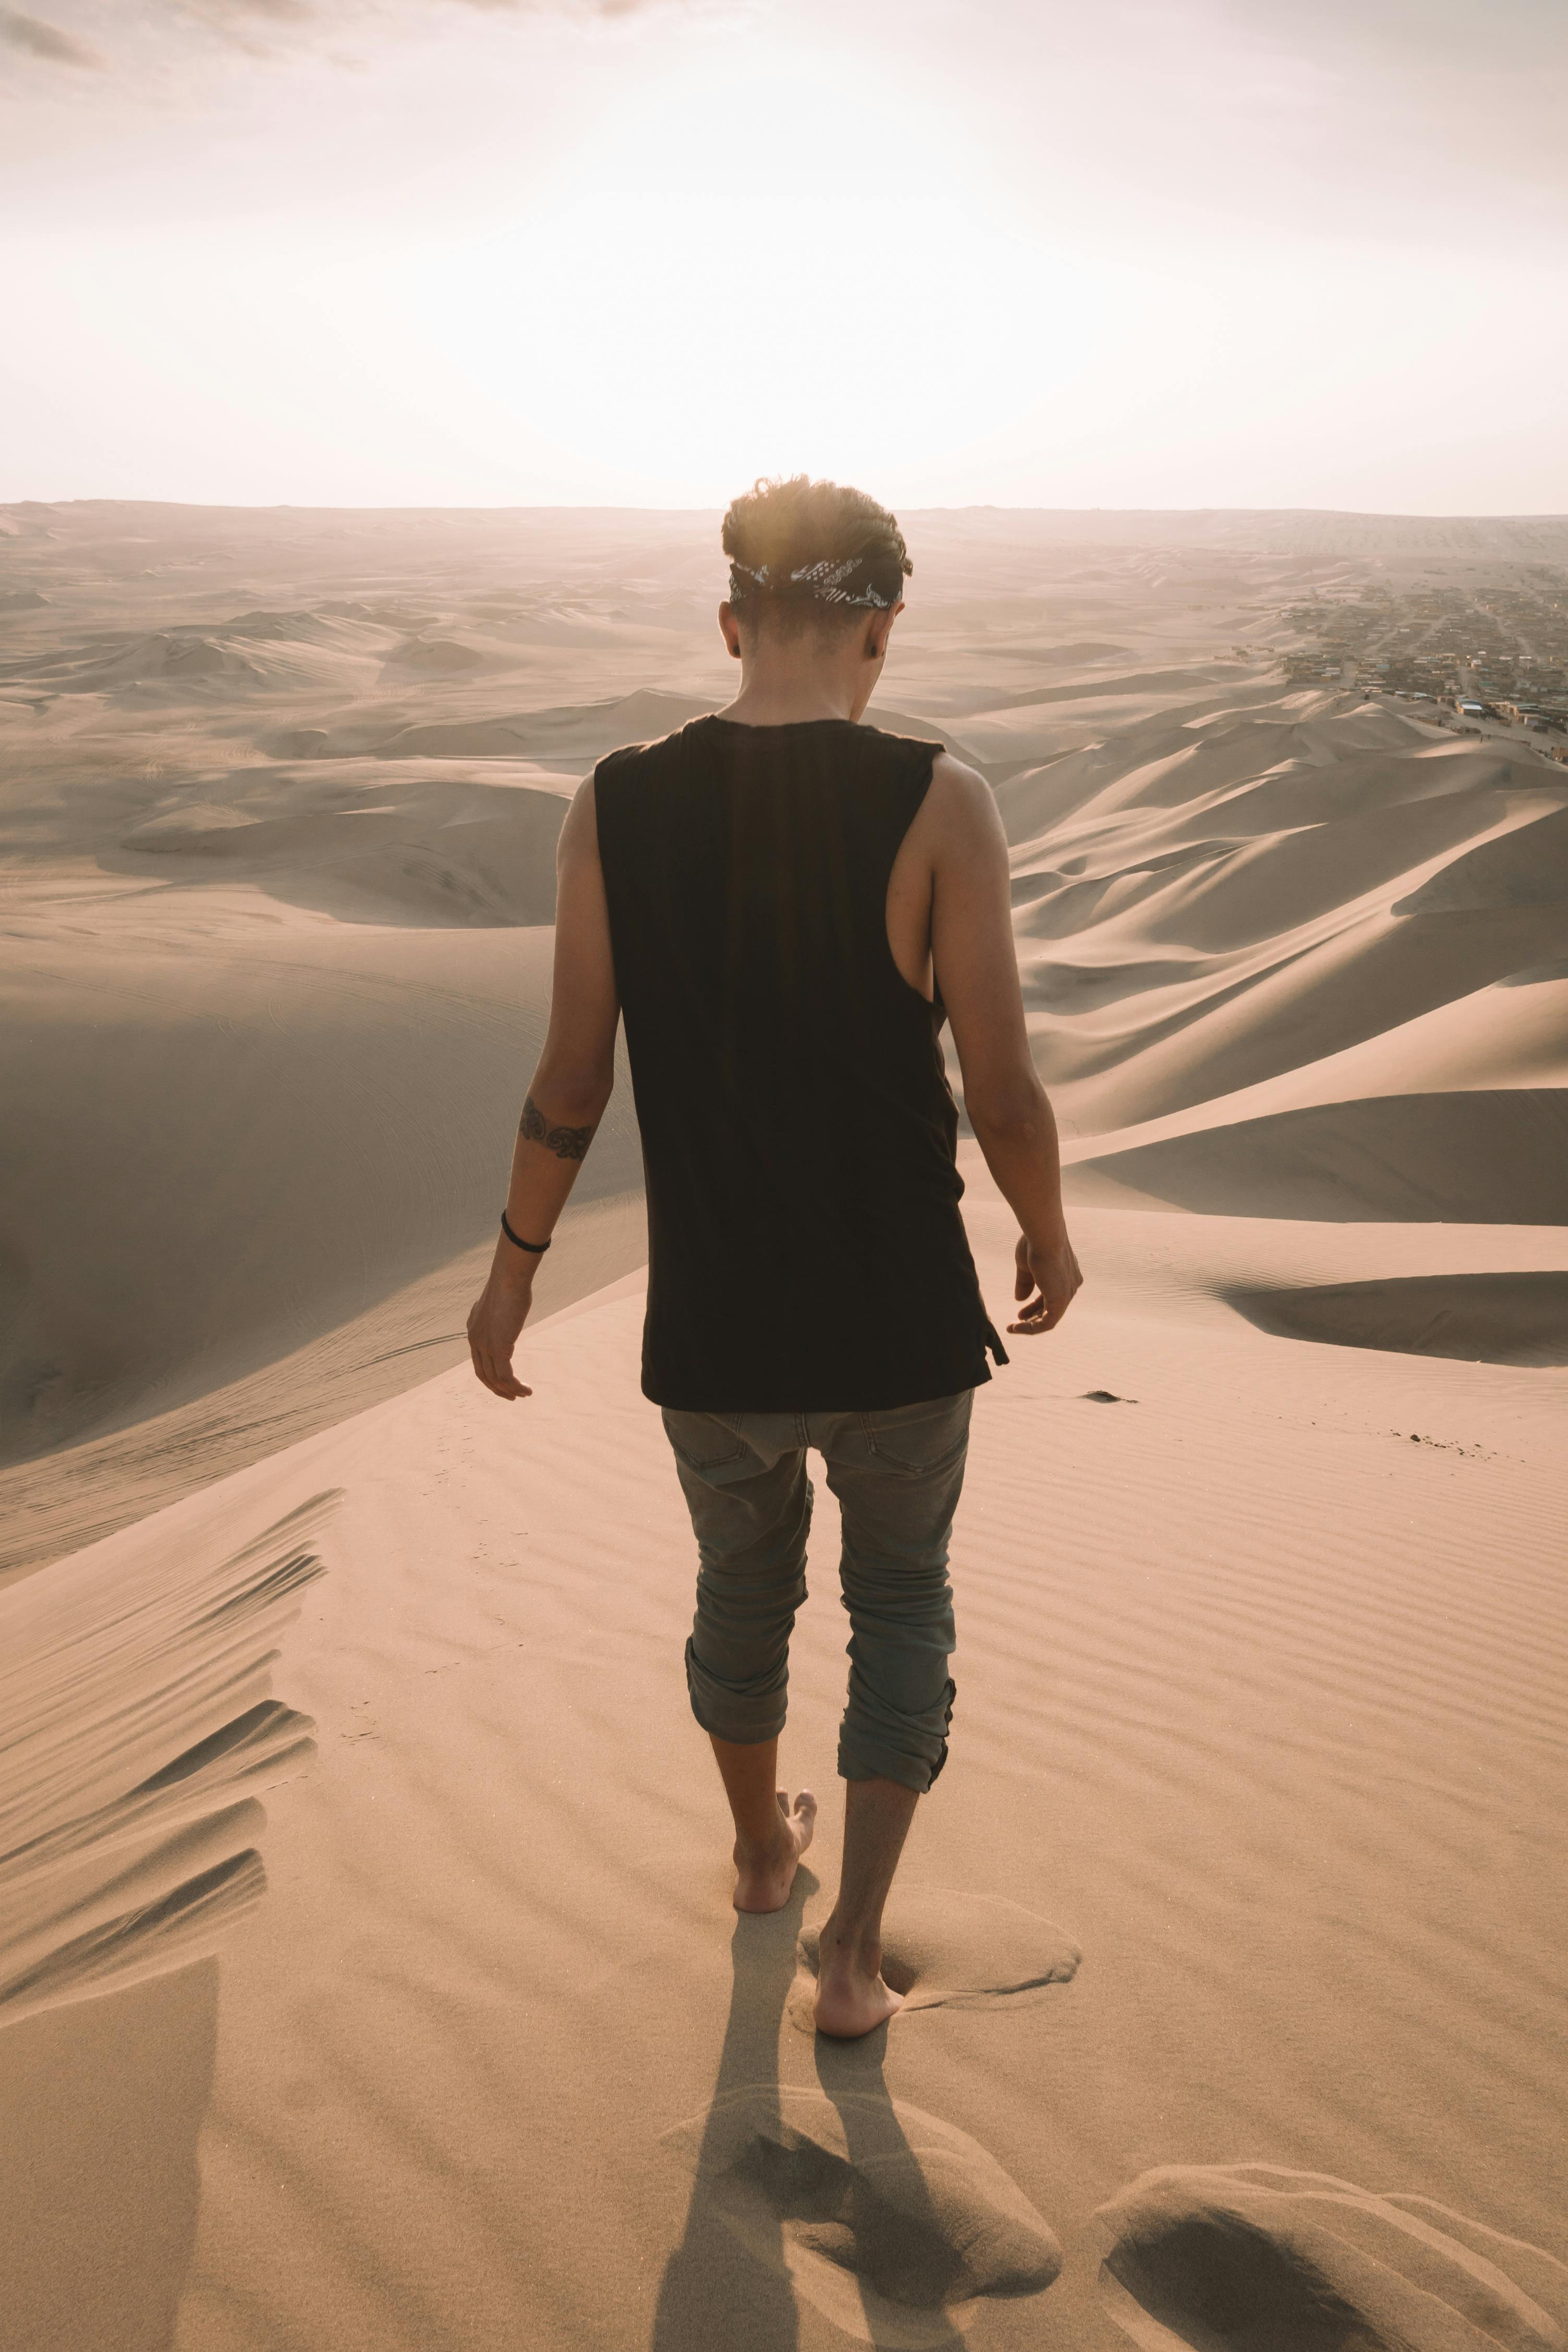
pixel 368 1978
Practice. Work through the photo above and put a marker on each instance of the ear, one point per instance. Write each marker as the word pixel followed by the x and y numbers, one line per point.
pixel 881 629
pixel 729 629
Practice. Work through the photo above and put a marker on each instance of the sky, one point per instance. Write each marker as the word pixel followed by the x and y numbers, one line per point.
pixel 1121 253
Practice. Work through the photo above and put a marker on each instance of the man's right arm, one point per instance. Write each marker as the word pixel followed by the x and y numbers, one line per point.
pixel 976 974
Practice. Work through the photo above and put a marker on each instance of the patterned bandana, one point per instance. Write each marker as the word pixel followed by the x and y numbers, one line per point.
pixel 873 581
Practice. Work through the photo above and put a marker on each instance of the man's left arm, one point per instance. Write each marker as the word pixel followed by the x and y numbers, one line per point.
pixel 572 1085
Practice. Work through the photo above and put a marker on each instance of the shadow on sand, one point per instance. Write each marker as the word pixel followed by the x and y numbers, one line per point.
pixel 883 2218
pixel 714 2297
pixel 101 2104
pixel 907 2255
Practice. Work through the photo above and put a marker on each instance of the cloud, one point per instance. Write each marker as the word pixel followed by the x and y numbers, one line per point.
pixel 41 40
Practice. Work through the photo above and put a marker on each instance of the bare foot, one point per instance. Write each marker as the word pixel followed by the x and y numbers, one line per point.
pixel 852 1998
pixel 765 1873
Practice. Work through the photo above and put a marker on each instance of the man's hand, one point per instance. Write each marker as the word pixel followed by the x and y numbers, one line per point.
pixel 1049 1277
pixel 495 1323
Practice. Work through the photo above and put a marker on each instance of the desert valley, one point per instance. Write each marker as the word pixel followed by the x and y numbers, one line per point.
pixel 367 1973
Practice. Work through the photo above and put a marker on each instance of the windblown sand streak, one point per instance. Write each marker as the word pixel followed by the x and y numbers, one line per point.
pixel 133 1720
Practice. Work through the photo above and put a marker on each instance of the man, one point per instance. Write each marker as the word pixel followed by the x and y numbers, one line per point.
pixel 785 905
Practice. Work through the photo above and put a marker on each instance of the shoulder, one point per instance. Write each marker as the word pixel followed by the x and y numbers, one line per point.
pixel 579 837
pixel 641 763
pixel 958 819
pixel 962 804
pixel 608 796
pixel 952 779
pixel 623 807
pixel 927 760
pixel 617 765
pixel 960 783
pixel 612 789
pixel 917 748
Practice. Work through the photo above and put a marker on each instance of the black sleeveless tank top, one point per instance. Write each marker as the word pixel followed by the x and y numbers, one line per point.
pixel 806 1251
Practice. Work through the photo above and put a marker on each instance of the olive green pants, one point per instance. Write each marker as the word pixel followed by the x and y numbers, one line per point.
pixel 897 1476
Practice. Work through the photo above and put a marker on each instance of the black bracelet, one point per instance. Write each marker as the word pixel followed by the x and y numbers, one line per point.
pixel 537 1249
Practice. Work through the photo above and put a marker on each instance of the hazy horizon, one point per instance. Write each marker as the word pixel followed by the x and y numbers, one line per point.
pixel 715 507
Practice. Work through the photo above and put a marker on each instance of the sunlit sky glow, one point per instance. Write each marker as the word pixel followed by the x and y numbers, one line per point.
pixel 1185 253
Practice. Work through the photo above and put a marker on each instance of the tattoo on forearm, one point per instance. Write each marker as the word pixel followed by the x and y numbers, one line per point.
pixel 566 1142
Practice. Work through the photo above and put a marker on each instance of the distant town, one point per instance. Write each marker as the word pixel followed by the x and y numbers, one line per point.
pixel 1483 659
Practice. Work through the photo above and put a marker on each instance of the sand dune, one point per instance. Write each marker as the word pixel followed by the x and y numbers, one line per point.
pixel 1266 923
pixel 248 659
pixel 140 1455
pixel 355 839
pixel 1485 1318
pixel 579 733
pixel 438 656
pixel 361 1084
pixel 1477 1158
pixel 368 1978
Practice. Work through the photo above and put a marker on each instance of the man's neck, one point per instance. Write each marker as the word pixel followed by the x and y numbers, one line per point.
pixel 776 690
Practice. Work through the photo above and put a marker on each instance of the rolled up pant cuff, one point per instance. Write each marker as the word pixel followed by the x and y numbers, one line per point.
pixel 913 1755
pixel 745 1717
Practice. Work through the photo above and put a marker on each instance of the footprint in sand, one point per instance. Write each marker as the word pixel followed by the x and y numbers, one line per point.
pixel 945 1949
pixel 893 2225
pixel 1250 2258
